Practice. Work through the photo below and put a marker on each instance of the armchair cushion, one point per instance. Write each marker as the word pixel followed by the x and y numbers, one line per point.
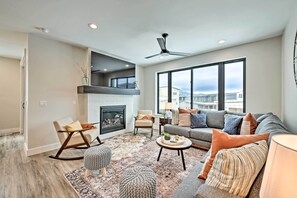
pixel 90 135
pixel 73 126
pixel 143 123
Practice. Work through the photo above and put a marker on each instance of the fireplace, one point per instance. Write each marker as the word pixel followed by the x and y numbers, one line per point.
pixel 112 118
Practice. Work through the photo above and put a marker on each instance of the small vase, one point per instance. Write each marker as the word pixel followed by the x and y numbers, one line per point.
pixel 85 81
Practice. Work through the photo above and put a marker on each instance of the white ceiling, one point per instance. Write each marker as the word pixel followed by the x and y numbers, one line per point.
pixel 129 28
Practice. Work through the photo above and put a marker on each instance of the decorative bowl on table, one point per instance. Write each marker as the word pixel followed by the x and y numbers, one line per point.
pixel 175 140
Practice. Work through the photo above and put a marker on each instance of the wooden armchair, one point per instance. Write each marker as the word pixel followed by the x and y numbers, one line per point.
pixel 144 119
pixel 74 139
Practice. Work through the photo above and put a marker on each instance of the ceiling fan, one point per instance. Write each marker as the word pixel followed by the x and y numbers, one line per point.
pixel 164 51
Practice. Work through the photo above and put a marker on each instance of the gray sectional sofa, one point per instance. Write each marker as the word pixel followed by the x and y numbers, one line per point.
pixel 194 187
pixel 201 137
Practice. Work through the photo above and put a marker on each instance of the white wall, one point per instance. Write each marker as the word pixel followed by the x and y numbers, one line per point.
pixel 9 94
pixel 289 88
pixel 54 74
pixel 53 77
pixel 263 79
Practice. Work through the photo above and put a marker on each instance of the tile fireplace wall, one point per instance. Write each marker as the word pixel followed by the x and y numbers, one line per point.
pixel 90 109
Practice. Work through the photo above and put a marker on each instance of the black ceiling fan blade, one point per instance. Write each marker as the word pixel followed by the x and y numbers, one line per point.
pixel 152 56
pixel 161 42
pixel 179 54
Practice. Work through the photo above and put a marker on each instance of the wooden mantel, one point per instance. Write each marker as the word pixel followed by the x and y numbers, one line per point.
pixel 106 90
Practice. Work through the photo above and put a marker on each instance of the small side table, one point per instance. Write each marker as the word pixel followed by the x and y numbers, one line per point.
pixel 162 122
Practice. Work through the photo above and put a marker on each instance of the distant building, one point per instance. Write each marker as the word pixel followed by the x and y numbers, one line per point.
pixel 209 101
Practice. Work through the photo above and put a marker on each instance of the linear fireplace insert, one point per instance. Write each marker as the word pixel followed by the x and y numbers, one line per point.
pixel 112 118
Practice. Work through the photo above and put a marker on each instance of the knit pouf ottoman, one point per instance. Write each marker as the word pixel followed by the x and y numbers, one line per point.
pixel 96 158
pixel 138 182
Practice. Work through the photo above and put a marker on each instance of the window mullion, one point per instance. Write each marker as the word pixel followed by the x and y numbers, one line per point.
pixel 192 87
pixel 169 86
pixel 221 95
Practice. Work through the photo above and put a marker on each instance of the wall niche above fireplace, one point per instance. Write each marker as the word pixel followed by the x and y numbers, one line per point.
pixel 112 118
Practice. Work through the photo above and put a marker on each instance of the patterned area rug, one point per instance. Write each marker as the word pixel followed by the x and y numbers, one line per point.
pixel 130 151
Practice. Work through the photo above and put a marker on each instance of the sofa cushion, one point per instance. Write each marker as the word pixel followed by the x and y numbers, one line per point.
pixel 235 170
pixel 214 119
pixel 176 130
pixel 272 125
pixel 264 116
pixel 204 134
pixel 206 191
pixel 198 121
pixel 189 186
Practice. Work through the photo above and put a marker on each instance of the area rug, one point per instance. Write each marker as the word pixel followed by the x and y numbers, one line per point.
pixel 130 151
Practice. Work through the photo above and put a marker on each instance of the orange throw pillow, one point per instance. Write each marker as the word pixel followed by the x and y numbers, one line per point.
pixel 222 140
pixel 249 125
pixel 181 110
pixel 144 117
pixel 88 126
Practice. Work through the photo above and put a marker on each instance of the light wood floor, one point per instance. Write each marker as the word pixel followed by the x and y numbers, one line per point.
pixel 36 176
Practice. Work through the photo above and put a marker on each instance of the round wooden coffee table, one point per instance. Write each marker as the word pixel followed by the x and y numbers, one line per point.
pixel 186 144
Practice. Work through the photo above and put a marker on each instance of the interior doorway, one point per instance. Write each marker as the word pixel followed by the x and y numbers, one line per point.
pixel 24 96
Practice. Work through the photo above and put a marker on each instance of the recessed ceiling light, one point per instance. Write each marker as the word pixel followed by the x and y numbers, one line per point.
pixel 92 25
pixel 104 69
pixel 127 65
pixel 221 41
pixel 42 29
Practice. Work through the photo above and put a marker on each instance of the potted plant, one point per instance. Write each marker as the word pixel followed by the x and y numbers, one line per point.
pixel 167 136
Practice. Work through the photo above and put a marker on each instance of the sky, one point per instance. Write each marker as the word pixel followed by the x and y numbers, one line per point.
pixel 206 79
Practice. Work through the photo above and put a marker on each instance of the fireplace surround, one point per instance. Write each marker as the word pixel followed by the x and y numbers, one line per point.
pixel 112 118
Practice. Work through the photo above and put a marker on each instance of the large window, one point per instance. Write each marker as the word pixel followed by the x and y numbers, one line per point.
pixel 163 91
pixel 216 86
pixel 123 82
pixel 234 87
pixel 205 87
pixel 181 89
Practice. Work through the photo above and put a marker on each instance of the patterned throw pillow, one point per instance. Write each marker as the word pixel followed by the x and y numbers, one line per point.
pixel 249 125
pixel 221 140
pixel 234 170
pixel 232 124
pixel 184 120
pixel 198 120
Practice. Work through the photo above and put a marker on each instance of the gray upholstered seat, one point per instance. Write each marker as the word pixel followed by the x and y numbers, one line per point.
pixel 204 134
pixel 138 182
pixel 96 158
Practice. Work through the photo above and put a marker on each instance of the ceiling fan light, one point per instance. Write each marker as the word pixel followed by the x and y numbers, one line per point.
pixel 222 41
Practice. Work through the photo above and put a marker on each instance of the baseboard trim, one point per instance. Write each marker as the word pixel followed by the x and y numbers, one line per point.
pixel 9 131
pixel 41 149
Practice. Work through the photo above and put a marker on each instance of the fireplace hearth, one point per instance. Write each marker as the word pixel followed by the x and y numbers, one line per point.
pixel 112 118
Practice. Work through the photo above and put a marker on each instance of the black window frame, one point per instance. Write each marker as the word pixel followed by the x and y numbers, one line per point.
pixel 221 82
pixel 117 81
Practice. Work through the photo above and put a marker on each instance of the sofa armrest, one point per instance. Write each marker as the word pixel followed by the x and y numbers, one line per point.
pixel 206 191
